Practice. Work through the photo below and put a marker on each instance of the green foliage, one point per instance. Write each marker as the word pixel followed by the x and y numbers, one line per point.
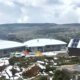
pixel 48 68
pixel 20 61
pixel 12 60
pixel 2 78
pixel 67 61
pixel 41 78
pixel 19 79
pixel 49 30
pixel 61 75
pixel 75 60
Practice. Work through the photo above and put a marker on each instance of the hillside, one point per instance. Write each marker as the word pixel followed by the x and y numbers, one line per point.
pixel 23 32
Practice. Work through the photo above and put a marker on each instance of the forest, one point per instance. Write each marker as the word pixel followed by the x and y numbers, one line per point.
pixel 26 31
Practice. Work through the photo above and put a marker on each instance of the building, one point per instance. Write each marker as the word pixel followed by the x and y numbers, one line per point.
pixel 7 47
pixel 47 47
pixel 74 47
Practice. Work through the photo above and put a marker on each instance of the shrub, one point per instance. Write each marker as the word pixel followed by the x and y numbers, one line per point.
pixel 61 75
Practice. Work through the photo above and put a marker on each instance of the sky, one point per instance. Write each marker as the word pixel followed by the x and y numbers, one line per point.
pixel 39 11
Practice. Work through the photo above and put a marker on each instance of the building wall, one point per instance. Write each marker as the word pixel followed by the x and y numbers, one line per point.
pixel 48 48
pixel 74 51
pixel 3 53
pixel 54 48
pixel 6 52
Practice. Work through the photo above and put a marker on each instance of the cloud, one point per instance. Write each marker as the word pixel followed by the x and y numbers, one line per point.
pixel 40 11
pixel 23 19
pixel 7 2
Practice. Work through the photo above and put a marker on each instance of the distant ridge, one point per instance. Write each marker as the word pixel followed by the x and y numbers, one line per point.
pixel 74 24
pixel 39 24
pixel 26 31
pixel 29 24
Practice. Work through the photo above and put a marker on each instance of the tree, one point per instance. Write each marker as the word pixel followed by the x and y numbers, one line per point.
pixel 61 75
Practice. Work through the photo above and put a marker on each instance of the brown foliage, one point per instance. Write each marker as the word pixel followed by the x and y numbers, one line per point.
pixel 32 72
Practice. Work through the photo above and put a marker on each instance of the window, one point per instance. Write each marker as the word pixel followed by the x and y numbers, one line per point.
pixel 40 49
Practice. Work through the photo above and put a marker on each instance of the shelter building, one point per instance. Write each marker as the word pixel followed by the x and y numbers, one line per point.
pixel 47 47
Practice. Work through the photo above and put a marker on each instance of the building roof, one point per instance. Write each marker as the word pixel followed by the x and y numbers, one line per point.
pixel 5 44
pixel 74 43
pixel 42 42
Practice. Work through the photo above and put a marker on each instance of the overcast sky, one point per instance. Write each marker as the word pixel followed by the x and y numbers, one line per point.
pixel 39 11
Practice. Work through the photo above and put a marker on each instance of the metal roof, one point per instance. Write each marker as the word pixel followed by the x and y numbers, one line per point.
pixel 43 42
pixel 73 44
pixel 5 44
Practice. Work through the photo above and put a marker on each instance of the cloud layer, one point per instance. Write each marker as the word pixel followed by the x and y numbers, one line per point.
pixel 39 11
